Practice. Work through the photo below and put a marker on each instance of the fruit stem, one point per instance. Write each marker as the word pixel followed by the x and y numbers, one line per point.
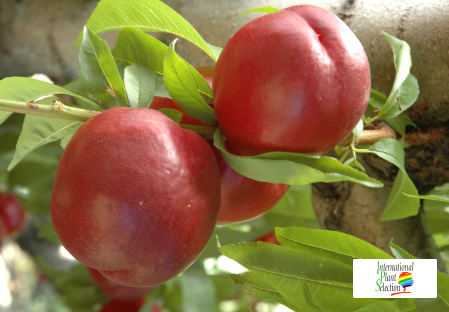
pixel 57 110
pixel 369 137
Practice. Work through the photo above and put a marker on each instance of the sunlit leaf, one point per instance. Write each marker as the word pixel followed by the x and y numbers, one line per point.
pixel 140 82
pixel 292 168
pixel 98 71
pixel 400 206
pixel 441 303
pixel 144 15
pixel 183 83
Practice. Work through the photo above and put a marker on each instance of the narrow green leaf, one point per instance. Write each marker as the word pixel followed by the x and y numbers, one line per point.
pixel 4 116
pixel 140 82
pixel 173 114
pixel 292 168
pixel 183 82
pixel 391 150
pixel 160 89
pixel 215 50
pixel 352 162
pixel 297 275
pixel 437 211
pixel 403 63
pixel 135 46
pixel 98 71
pixel 267 9
pixel 66 140
pixel 294 209
pixel 27 90
pixel 441 303
pixel 402 305
pixel 407 94
pixel 329 244
pixel 439 196
pixel 38 131
pixel 399 123
pixel 198 292
pixel 358 129
pixel 398 205
pixel 77 87
pixel 145 15
pixel 258 288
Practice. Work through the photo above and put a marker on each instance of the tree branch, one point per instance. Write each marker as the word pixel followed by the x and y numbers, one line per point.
pixel 57 110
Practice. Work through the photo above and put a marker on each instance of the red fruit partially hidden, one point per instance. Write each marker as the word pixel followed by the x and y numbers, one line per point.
pixel 12 213
pixel 123 306
pixel 116 291
pixel 297 80
pixel 135 196
pixel 242 198
pixel 269 238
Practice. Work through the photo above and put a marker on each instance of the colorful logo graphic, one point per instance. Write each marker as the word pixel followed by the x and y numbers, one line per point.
pixel 405 280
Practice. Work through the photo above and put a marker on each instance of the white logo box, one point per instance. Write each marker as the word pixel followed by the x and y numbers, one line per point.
pixel 379 278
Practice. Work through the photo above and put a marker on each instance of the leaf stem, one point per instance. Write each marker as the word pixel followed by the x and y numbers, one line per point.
pixel 344 156
pixel 57 110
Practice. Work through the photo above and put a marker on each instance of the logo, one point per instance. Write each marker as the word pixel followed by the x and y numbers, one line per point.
pixel 405 280
pixel 386 278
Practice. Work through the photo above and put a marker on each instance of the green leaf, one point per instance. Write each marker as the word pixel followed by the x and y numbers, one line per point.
pixel 147 16
pixel 440 196
pixel 134 46
pixel 403 63
pixel 399 123
pixel 402 305
pixel 358 129
pixel 66 140
pixel 441 303
pixel 173 114
pixel 98 71
pixel 398 205
pixel 183 83
pixel 301 278
pixel 391 150
pixel 160 89
pixel 27 90
pixel 294 209
pixel 140 82
pixel 77 87
pixel 215 50
pixel 329 244
pixel 198 292
pixel 352 162
pixel 437 211
pixel 407 94
pixel 4 116
pixel 38 131
pixel 267 9
pixel 258 288
pixel 292 168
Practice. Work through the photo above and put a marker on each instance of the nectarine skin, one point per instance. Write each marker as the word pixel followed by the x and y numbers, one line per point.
pixel 242 198
pixel 116 291
pixel 135 196
pixel 297 80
